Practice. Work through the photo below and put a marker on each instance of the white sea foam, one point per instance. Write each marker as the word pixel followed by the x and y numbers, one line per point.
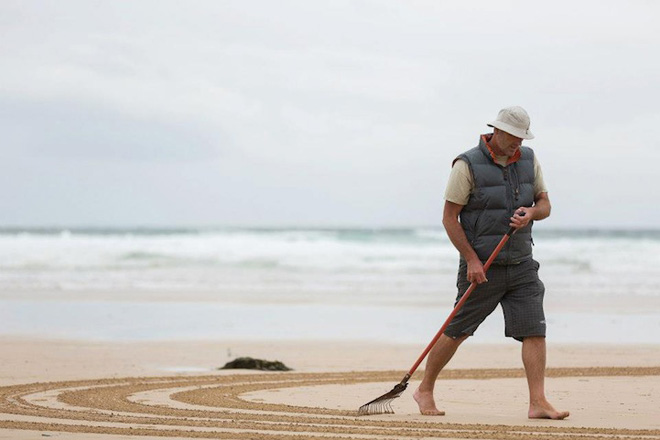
pixel 421 258
pixel 406 271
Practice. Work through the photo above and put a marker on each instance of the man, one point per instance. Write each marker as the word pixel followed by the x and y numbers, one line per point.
pixel 492 187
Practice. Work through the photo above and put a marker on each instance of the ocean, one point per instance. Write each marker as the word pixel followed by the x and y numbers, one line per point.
pixel 390 285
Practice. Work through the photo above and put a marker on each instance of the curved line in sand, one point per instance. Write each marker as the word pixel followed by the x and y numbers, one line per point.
pixel 214 408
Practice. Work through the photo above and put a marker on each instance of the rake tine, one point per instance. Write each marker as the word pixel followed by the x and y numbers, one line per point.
pixel 383 404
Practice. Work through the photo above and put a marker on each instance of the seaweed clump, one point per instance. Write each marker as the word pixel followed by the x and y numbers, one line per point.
pixel 249 363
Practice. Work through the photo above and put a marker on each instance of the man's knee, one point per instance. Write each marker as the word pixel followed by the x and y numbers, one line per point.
pixel 533 339
pixel 457 340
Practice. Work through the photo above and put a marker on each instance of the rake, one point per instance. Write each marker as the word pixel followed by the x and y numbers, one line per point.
pixel 383 404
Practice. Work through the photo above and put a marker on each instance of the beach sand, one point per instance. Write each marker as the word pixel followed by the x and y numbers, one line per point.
pixel 112 390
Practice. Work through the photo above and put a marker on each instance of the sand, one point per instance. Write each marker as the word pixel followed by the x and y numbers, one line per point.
pixel 111 390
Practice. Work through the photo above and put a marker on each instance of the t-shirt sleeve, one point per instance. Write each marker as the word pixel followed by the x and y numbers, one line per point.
pixel 460 183
pixel 539 182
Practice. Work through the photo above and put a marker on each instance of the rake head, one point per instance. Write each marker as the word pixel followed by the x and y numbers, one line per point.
pixel 383 404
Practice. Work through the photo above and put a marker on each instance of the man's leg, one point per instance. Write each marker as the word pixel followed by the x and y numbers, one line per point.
pixel 533 355
pixel 439 356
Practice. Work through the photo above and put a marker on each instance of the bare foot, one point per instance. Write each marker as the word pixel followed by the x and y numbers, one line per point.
pixel 426 403
pixel 543 410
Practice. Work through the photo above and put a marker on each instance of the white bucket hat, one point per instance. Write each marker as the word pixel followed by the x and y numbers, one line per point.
pixel 514 120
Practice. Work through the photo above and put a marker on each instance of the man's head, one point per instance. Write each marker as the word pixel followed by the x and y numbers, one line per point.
pixel 509 129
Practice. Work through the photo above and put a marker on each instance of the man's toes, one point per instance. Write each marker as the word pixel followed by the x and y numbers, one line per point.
pixel 431 412
pixel 548 414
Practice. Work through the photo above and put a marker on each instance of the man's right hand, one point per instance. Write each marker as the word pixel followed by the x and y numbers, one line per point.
pixel 475 272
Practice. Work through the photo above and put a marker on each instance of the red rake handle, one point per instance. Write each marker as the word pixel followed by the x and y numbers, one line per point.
pixel 460 303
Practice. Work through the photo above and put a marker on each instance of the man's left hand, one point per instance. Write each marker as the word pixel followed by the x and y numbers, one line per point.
pixel 521 217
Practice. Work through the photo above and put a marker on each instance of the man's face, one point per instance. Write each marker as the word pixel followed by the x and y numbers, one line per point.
pixel 507 143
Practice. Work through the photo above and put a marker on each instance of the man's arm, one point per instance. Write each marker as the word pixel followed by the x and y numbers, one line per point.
pixel 475 269
pixel 539 211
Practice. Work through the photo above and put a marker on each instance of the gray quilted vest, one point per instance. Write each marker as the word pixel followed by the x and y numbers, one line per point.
pixel 497 193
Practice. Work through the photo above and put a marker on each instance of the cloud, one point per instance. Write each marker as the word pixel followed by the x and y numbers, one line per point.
pixel 316 112
pixel 72 130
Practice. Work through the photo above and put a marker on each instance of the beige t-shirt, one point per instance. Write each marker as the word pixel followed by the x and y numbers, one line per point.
pixel 461 183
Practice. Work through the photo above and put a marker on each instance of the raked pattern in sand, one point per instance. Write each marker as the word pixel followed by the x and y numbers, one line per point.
pixel 246 406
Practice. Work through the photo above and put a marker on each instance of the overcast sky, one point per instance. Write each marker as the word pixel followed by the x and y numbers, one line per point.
pixel 318 113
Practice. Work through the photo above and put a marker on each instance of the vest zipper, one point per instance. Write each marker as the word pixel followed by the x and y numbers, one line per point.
pixel 515 183
pixel 508 177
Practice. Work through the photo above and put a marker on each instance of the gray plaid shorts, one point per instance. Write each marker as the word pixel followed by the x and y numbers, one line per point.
pixel 516 287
